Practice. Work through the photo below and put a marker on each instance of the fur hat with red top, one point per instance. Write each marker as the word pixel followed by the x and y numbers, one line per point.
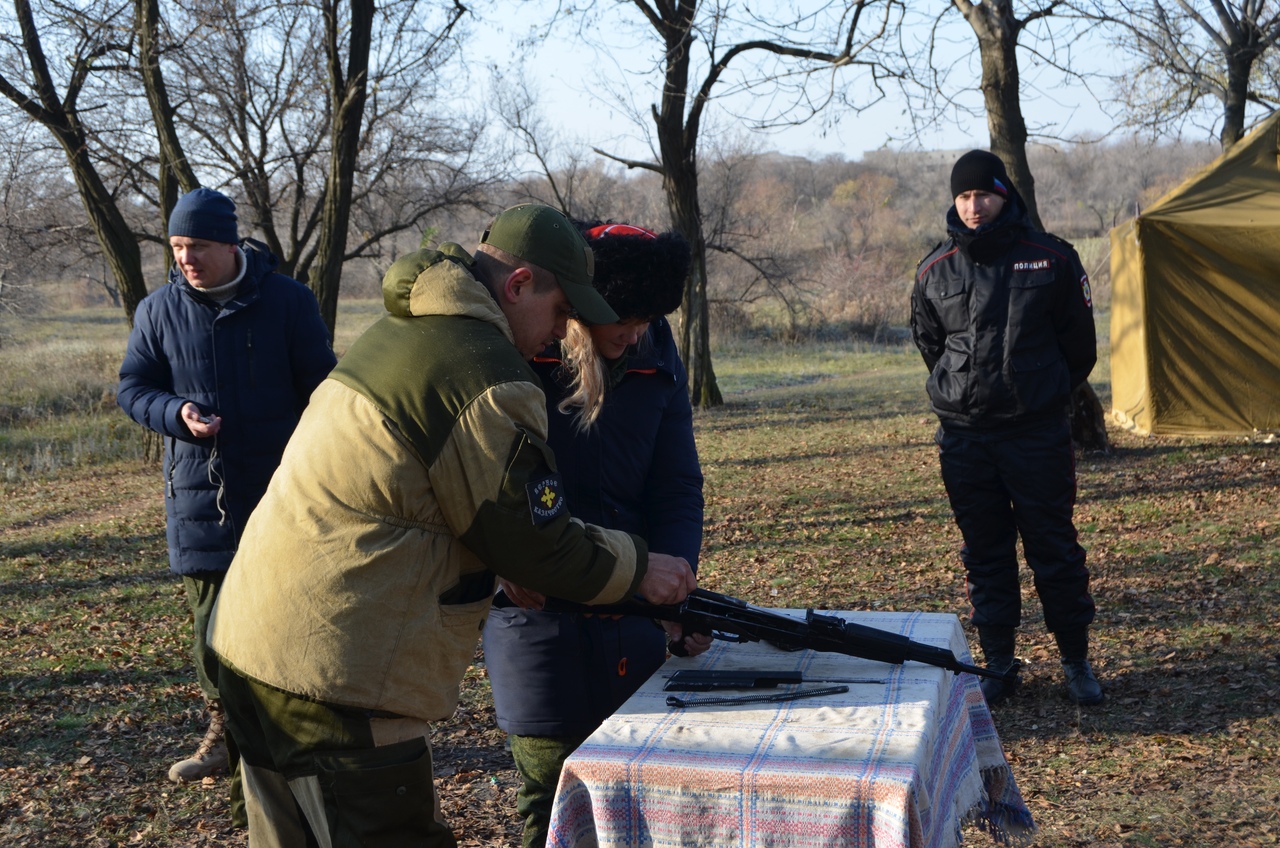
pixel 640 273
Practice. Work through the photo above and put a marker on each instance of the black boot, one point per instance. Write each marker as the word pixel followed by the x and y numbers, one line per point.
pixel 996 691
pixel 1082 686
pixel 997 649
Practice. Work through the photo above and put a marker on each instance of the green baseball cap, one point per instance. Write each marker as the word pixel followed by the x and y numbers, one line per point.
pixel 545 237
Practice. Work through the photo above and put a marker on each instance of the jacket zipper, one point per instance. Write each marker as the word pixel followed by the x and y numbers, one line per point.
pixel 173 444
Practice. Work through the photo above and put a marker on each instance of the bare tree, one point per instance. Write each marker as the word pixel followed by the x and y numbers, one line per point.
pixel 1011 36
pixel 255 117
pixel 553 177
pixel 561 176
pixel 87 42
pixel 710 49
pixel 998 29
pixel 868 252
pixel 27 232
pixel 44 234
pixel 348 67
pixel 174 173
pixel 1091 186
pixel 750 219
pixel 336 150
pixel 1192 51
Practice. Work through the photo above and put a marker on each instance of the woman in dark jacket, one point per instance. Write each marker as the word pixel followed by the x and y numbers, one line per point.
pixel 621 426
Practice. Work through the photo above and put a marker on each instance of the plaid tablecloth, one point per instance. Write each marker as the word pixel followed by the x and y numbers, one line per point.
pixel 902 761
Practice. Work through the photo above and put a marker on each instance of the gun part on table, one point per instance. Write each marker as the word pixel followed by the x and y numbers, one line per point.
pixel 733 620
pixel 776 697
pixel 712 679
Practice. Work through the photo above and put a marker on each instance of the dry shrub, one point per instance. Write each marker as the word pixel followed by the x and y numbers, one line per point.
pixel 868 293
pixel 1095 255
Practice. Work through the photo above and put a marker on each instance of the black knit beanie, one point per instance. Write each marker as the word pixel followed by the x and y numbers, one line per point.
pixel 204 214
pixel 640 273
pixel 979 170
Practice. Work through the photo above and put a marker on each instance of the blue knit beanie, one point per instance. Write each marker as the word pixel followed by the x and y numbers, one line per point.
pixel 204 214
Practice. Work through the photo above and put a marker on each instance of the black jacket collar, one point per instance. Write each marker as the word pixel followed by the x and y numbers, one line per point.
pixel 989 242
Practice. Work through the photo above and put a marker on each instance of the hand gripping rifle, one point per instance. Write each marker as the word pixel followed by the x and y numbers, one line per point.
pixel 733 620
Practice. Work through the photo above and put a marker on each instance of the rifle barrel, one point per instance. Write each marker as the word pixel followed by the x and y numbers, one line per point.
pixel 705 611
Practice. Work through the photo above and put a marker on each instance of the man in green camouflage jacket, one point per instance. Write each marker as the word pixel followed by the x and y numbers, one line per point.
pixel 418 472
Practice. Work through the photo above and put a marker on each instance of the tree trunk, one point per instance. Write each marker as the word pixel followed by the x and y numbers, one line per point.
pixel 117 239
pixel 119 245
pixel 678 147
pixel 1235 96
pixel 1088 422
pixel 695 325
pixel 175 175
pixel 997 31
pixel 347 93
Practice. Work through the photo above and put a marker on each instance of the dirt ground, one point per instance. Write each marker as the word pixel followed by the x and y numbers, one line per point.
pixel 97 697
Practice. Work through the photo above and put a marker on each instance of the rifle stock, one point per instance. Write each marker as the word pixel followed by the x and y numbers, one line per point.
pixel 733 620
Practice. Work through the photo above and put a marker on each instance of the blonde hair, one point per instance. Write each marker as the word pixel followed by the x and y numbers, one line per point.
pixel 588 378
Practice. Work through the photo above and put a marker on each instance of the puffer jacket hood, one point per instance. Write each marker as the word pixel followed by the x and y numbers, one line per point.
pixel 440 282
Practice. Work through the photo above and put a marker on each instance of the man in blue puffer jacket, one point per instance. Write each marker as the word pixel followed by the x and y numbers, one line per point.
pixel 221 362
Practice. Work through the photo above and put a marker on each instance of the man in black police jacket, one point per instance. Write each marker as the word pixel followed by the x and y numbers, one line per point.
pixel 1003 316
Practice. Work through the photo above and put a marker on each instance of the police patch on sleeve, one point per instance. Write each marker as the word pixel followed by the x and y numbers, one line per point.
pixel 546 499
pixel 1086 291
pixel 1035 265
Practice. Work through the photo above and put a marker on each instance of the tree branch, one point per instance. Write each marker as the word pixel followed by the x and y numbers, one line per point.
pixel 630 163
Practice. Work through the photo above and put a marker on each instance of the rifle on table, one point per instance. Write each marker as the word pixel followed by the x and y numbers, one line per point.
pixel 733 620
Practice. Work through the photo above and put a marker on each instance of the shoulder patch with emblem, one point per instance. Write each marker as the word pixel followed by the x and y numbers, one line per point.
pixel 1086 291
pixel 546 499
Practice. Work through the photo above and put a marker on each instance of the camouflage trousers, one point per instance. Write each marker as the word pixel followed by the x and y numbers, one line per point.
pixel 539 760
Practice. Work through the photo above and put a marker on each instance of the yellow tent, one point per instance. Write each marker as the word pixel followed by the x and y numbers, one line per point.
pixel 1195 310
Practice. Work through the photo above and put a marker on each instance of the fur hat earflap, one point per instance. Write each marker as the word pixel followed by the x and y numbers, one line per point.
pixel 640 273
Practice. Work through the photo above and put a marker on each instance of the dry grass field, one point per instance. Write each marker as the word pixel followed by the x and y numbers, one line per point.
pixel 822 490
